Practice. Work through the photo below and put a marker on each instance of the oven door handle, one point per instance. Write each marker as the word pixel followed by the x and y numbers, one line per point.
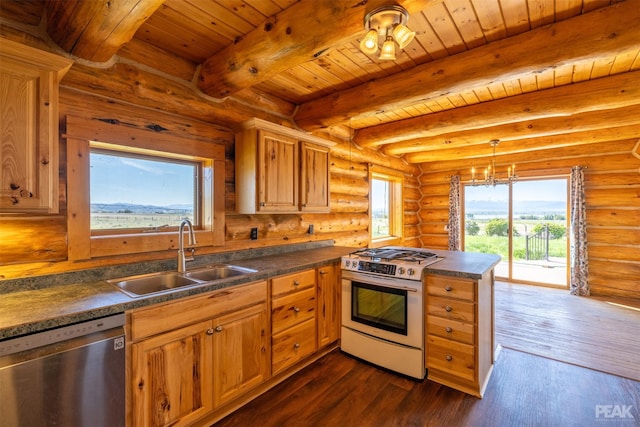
pixel 402 288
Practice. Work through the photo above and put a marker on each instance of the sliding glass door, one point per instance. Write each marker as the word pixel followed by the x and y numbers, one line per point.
pixel 524 222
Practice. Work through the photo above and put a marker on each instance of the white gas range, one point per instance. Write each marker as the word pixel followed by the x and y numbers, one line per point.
pixel 383 307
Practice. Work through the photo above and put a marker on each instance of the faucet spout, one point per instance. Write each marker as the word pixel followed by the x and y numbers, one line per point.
pixel 182 259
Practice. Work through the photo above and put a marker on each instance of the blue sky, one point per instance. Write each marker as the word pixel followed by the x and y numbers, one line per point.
pixel 549 190
pixel 130 180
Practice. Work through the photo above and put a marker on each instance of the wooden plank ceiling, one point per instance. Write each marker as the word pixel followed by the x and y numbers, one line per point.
pixel 532 73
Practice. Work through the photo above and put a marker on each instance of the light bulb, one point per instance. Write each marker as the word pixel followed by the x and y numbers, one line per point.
pixel 388 49
pixel 369 43
pixel 403 35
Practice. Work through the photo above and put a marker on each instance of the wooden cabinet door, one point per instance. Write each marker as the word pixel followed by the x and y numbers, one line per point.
pixel 328 297
pixel 278 174
pixel 240 352
pixel 314 178
pixel 172 376
pixel 29 127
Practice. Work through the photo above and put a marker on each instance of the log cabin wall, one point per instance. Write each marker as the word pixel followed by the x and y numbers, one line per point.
pixel 612 181
pixel 36 245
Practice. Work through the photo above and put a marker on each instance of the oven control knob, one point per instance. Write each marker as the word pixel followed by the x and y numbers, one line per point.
pixel 347 263
pixel 411 271
pixel 401 270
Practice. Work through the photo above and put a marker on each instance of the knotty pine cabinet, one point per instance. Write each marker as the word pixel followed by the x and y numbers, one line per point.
pixel 459 332
pixel 328 295
pixel 29 152
pixel 194 354
pixel 280 170
pixel 293 319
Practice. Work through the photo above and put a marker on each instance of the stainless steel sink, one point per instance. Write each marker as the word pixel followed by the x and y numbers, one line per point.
pixel 153 283
pixel 145 284
pixel 218 272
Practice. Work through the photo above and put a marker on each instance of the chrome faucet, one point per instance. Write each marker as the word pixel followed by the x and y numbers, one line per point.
pixel 182 260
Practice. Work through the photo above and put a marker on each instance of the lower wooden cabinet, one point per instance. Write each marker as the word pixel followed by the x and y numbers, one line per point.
pixel 293 319
pixel 328 295
pixel 192 355
pixel 240 345
pixel 459 331
pixel 173 375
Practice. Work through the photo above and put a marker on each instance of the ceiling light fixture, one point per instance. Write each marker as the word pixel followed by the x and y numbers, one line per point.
pixel 490 171
pixel 388 23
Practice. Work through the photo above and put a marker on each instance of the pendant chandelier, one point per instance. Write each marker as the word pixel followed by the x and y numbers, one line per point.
pixel 389 24
pixel 490 178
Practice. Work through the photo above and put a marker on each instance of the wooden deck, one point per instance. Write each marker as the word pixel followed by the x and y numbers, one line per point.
pixel 524 390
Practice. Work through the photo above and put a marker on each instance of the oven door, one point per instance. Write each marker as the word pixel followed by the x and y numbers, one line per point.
pixel 386 308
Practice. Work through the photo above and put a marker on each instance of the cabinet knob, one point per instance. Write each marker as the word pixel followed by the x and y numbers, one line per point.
pixel 219 328
pixel 448 329
pixel 296 309
pixel 448 357
pixel 322 272
pixel 296 283
pixel 448 308
pixel 448 288
pixel 296 346
pixel 263 204
pixel 209 331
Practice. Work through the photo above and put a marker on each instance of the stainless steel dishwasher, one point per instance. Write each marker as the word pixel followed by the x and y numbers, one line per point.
pixel 69 376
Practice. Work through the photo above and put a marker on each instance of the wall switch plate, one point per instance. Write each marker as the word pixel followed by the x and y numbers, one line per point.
pixel 254 233
pixel 310 229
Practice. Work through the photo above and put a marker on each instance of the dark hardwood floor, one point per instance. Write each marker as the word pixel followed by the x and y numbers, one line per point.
pixel 525 389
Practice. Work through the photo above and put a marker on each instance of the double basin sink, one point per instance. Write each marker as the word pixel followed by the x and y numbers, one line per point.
pixel 153 283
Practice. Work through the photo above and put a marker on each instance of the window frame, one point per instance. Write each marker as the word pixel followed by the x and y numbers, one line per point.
pixel 82 134
pixel 396 203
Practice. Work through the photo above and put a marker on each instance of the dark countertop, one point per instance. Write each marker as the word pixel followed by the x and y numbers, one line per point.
pixel 46 307
pixel 38 305
pixel 463 264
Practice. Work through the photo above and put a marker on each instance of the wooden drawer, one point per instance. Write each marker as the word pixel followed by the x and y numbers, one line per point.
pixel 174 314
pixel 450 329
pixel 292 345
pixel 294 308
pixel 293 282
pixel 453 287
pixel 450 308
pixel 451 357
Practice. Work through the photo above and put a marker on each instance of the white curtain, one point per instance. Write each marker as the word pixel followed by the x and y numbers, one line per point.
pixel 579 284
pixel 454 214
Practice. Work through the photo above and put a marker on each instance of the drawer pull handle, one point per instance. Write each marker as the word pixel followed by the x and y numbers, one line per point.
pixel 209 331
pixel 296 283
pixel 448 329
pixel 448 288
pixel 448 308
pixel 296 309
pixel 448 357
pixel 296 346
pixel 219 328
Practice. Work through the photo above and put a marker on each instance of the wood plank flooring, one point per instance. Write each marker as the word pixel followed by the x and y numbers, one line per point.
pixel 525 389
pixel 588 332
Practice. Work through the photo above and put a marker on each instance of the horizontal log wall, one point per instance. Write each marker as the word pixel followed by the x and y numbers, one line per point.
pixel 38 245
pixel 612 181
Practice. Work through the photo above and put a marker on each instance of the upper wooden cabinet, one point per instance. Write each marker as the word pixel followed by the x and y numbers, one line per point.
pixel 280 170
pixel 29 125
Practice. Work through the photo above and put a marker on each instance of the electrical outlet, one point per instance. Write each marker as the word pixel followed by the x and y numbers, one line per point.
pixel 254 233
pixel 310 229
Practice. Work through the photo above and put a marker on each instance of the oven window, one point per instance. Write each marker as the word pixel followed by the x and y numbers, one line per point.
pixel 379 306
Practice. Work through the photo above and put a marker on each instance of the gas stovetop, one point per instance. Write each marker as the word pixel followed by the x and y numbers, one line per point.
pixel 390 261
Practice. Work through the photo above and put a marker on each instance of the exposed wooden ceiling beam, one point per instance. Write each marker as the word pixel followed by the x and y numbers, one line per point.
pixel 596 104
pixel 530 146
pixel 605 32
pixel 298 34
pixel 95 30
